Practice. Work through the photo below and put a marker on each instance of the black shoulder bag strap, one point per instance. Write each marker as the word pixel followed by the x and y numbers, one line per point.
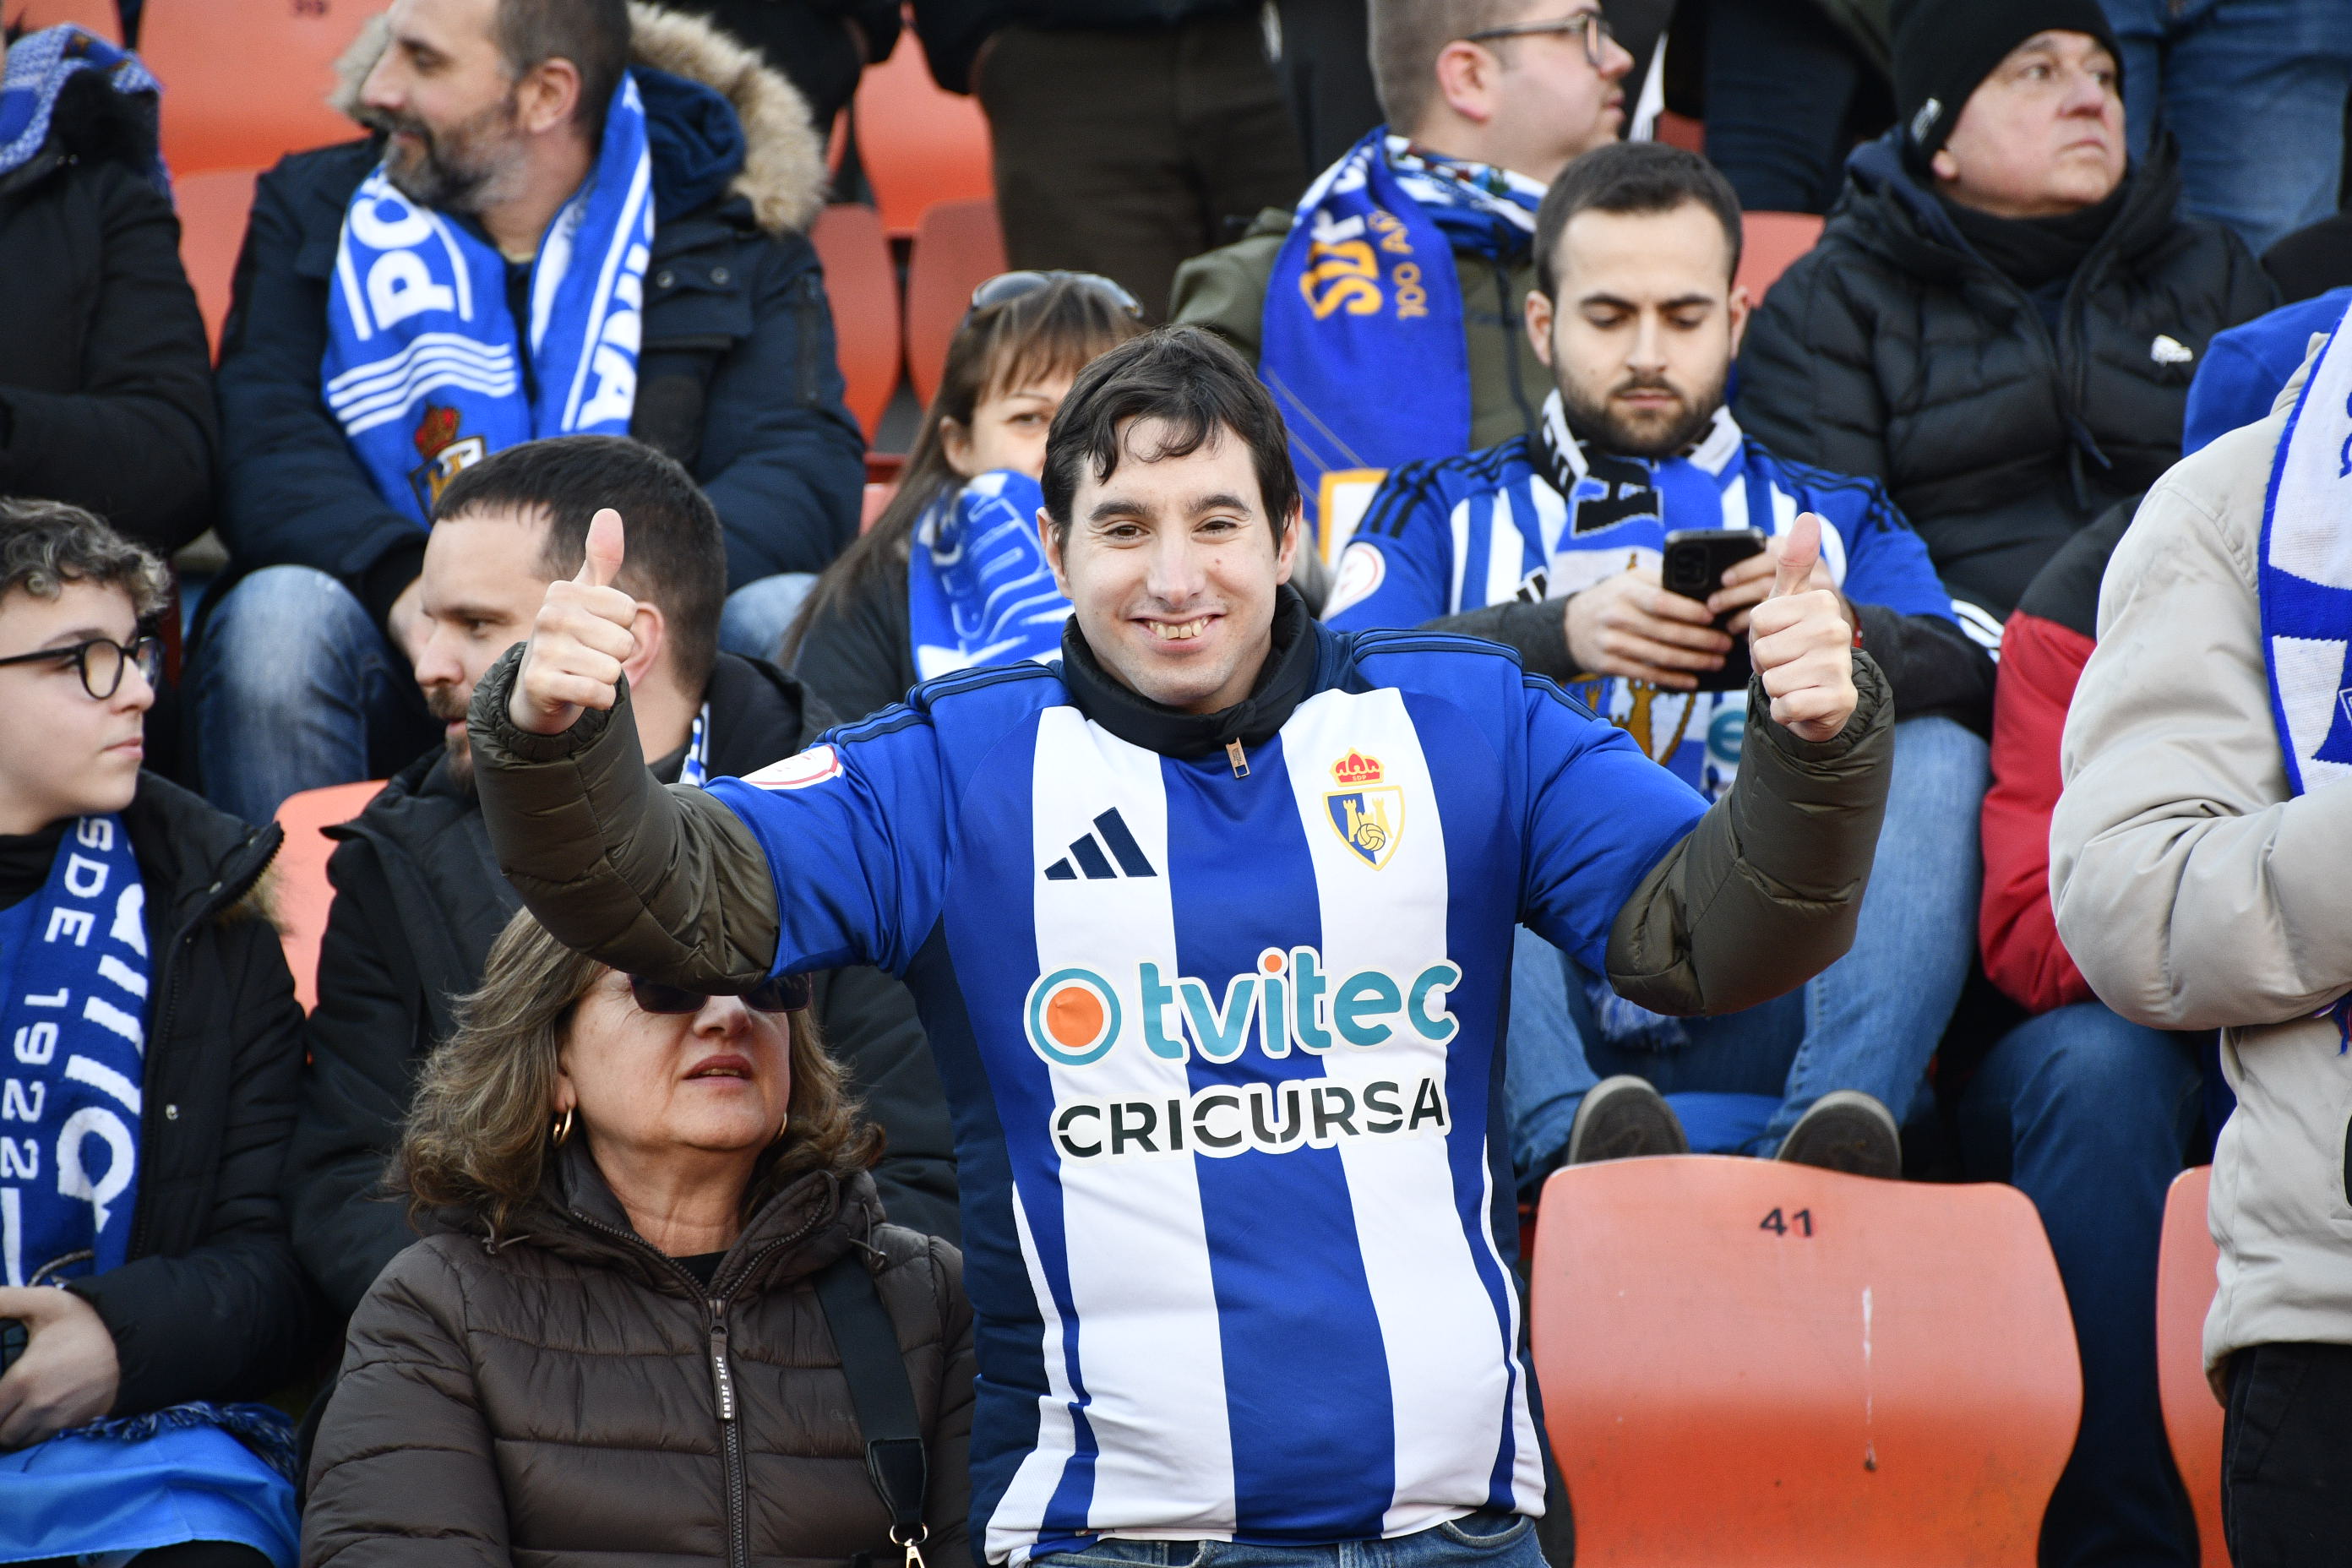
pixel 881 1395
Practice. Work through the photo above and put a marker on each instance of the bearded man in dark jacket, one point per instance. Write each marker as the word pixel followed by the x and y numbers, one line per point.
pixel 418 897
pixel 2001 319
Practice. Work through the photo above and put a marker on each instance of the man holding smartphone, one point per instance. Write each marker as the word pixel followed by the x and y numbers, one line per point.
pixel 1564 545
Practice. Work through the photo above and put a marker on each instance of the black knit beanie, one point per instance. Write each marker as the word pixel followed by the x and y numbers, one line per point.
pixel 1944 49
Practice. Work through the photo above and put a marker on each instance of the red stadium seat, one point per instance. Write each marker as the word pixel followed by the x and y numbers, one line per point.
pixel 862 284
pixel 876 498
pixel 214 206
pixel 2192 1417
pixel 1751 1363
pixel 99 16
pixel 958 247
pixel 301 890
pixel 246 81
pixel 1768 242
pixel 920 145
pixel 1681 131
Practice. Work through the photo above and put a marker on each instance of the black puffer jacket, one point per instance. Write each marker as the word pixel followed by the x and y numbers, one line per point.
pixel 1893 350
pixel 211 1304
pixel 106 396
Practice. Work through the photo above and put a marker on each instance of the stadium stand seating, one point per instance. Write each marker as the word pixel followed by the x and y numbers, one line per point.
pixel 301 890
pixel 918 145
pixel 862 284
pixel 246 81
pixel 1768 242
pixel 1682 130
pixel 2192 1417
pixel 98 16
pixel 959 246
pixel 1783 1367
pixel 214 206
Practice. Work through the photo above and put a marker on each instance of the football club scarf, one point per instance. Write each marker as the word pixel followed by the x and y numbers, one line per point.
pixel 978 588
pixel 2306 584
pixel 423 367
pixel 123 1485
pixel 40 66
pixel 1363 347
pixel 74 958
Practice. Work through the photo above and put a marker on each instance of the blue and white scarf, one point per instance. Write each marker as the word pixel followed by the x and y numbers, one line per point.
pixel 424 368
pixel 40 66
pixel 74 959
pixel 978 588
pixel 1363 344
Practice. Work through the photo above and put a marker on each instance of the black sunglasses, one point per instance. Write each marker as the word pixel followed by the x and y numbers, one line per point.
pixel 1007 286
pixel 778 994
pixel 101 661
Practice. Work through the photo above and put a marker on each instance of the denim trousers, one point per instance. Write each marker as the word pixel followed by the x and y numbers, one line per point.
pixel 2090 1116
pixel 1490 1539
pixel 1870 1021
pixel 1782 151
pixel 293 688
pixel 2253 90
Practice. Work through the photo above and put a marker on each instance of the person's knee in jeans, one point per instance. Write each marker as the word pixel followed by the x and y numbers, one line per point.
pixel 756 616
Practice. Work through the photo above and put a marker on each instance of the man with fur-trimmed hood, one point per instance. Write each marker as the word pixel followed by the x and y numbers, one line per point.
pixel 572 216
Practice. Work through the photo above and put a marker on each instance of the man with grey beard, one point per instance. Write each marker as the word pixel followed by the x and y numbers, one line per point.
pixel 418 895
pixel 564 223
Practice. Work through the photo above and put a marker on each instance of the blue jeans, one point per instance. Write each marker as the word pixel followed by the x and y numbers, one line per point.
pixel 1490 1539
pixel 294 687
pixel 1870 1021
pixel 2255 92
pixel 2090 1117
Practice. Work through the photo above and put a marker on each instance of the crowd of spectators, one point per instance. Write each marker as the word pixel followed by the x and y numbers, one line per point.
pixel 554 1254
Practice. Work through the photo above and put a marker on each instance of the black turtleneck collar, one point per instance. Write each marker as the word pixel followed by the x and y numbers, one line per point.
pixel 1288 679
pixel 2035 252
pixel 25 859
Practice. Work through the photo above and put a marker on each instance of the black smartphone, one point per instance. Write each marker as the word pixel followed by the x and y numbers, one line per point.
pixel 14 1338
pixel 1695 559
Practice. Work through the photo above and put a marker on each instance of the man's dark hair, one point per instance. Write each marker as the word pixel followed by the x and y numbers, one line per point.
pixel 676 555
pixel 1198 388
pixel 45 544
pixel 1631 177
pixel 594 35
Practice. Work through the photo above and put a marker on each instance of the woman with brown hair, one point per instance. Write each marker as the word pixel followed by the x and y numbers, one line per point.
pixel 648 1228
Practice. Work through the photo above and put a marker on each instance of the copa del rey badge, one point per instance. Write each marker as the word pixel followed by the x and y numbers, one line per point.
pixel 1368 815
pixel 801 770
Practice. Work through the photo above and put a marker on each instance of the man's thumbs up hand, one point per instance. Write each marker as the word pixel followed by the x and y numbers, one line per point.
pixel 579 641
pixel 1802 643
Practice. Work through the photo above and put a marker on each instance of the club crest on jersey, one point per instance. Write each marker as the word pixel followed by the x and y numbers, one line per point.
pixel 1367 815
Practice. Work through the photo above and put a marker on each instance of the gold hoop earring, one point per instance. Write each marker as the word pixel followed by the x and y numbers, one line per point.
pixel 564 1128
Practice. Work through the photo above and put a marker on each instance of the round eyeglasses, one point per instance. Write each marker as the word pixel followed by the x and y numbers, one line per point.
pixel 101 661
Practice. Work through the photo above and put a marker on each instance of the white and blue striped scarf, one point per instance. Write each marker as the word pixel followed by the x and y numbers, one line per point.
pixel 40 66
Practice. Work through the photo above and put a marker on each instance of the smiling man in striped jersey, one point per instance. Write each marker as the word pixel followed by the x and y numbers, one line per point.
pixel 1211 925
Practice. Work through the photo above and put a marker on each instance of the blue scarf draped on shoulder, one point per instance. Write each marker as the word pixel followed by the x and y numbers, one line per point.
pixel 425 368
pixel 1363 344
pixel 2305 584
pixel 978 588
pixel 40 66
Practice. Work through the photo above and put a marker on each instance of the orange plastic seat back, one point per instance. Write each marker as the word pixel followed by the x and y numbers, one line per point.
pixel 214 209
pixel 959 247
pixel 99 16
pixel 920 145
pixel 246 81
pixel 1681 131
pixel 1775 1366
pixel 301 890
pixel 878 500
pixel 2184 1293
pixel 862 286
pixel 1769 241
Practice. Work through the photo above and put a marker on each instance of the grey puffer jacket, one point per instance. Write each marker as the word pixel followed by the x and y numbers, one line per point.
pixel 560 1398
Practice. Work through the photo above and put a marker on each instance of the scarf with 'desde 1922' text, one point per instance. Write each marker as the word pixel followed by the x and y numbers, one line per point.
pixel 425 369
pixel 74 959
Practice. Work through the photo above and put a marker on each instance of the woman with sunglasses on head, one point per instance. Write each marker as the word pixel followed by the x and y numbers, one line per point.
pixel 147 1284
pixel 653 1259
pixel 952 574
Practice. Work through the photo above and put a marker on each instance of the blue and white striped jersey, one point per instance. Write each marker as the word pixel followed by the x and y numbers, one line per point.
pixel 1541 517
pixel 1223 1058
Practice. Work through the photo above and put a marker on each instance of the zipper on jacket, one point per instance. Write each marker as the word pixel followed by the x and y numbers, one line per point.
pixel 730 1443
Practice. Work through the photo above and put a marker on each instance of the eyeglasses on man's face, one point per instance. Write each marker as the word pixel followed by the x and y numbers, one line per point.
pixel 101 661
pixel 1592 25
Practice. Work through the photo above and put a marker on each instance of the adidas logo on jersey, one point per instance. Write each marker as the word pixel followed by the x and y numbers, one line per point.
pixel 1092 855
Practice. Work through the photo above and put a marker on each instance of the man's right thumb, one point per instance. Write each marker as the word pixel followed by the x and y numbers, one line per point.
pixel 605 546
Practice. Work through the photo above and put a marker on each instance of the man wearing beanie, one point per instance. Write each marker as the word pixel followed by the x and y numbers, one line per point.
pixel 2001 322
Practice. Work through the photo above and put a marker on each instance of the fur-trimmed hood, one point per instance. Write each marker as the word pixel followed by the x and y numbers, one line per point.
pixel 783 175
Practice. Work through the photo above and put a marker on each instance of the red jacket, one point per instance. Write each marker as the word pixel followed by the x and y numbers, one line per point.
pixel 2047 641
